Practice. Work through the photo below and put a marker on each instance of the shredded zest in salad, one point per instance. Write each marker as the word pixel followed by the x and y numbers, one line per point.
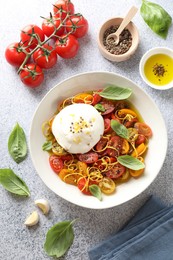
pixel 118 155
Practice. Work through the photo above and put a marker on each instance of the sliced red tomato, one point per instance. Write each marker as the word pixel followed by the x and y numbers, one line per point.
pixel 96 99
pixel 45 57
pixel 101 144
pixel 108 106
pixel 78 25
pixel 130 123
pixel 117 171
pixel 107 125
pixel 83 185
pixel 143 129
pixel 140 139
pixel 29 33
pixel 56 163
pixel 116 142
pixel 88 158
pixel 66 157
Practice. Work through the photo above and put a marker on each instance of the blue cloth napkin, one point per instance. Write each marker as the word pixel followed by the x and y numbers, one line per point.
pixel 148 235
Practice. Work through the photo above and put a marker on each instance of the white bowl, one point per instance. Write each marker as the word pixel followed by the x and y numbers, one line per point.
pixel 146 107
pixel 146 56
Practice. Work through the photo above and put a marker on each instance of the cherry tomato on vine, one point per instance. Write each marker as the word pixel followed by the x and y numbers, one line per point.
pixel 29 35
pixel 32 75
pixel 78 25
pixel 56 163
pixel 15 53
pixel 45 57
pixel 67 46
pixel 62 7
pixel 49 25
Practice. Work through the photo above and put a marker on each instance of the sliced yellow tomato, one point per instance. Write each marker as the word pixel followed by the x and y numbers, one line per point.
pixel 125 111
pixel 124 177
pixel 82 168
pixel 83 98
pixel 139 150
pixel 68 176
pixel 107 185
pixel 137 173
pixel 58 150
pixel 125 147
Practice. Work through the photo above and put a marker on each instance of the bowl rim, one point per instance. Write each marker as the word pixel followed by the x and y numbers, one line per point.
pixel 148 54
pixel 109 55
pixel 138 89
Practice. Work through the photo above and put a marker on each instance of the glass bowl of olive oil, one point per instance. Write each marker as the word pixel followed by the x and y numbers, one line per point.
pixel 156 68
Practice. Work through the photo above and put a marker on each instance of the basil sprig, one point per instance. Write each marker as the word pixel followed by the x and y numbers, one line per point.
pixel 13 183
pixel 17 146
pixel 130 162
pixel 113 92
pixel 119 129
pixel 156 18
pixel 59 238
pixel 95 191
pixel 47 146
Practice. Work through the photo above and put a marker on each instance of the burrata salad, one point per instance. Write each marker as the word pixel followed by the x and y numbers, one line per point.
pixel 97 140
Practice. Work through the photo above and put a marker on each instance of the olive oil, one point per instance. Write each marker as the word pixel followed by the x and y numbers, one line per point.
pixel 158 69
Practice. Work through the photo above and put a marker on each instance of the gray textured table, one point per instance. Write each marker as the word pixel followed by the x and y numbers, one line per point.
pixel 18 103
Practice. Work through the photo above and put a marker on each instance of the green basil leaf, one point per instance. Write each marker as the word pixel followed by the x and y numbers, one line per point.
pixel 130 162
pixel 13 183
pixel 59 238
pixel 95 191
pixel 113 92
pixel 17 144
pixel 47 146
pixel 99 107
pixel 156 18
pixel 120 129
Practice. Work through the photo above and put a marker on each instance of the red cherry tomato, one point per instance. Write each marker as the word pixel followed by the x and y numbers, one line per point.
pixel 45 57
pixel 32 75
pixel 83 185
pixel 30 40
pixel 96 99
pixel 116 171
pixel 143 129
pixel 78 25
pixel 140 139
pixel 101 144
pixel 88 158
pixel 130 123
pixel 49 25
pixel 67 47
pixel 62 7
pixel 116 142
pixel 107 125
pixel 56 163
pixel 108 106
pixel 66 157
pixel 15 53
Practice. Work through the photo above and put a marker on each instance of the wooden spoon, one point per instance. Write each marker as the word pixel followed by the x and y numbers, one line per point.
pixel 131 13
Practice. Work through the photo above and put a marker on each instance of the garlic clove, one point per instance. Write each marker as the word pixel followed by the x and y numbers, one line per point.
pixel 32 219
pixel 43 205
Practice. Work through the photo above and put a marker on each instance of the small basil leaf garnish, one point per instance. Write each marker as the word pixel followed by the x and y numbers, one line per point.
pixel 47 146
pixel 156 18
pixel 130 162
pixel 95 191
pixel 13 183
pixel 120 129
pixel 115 93
pixel 17 144
pixel 59 238
pixel 99 107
